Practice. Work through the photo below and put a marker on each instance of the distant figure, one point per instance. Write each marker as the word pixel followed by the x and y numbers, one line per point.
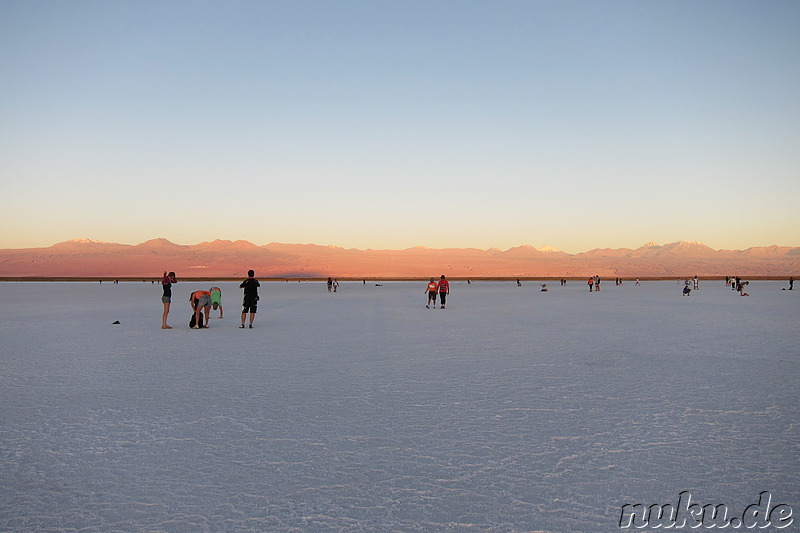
pixel 166 283
pixel 742 285
pixel 791 283
pixel 597 283
pixel 637 283
pixel 335 285
pixel 330 283
pixel 518 283
pixel 591 284
pixel 469 282
pixel 216 299
pixel 544 287
pixel 200 302
pixel 696 283
pixel 431 290
pixel 686 290
pixel 250 301
pixel 444 290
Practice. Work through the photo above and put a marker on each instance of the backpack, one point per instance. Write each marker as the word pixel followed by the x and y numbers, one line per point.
pixel 202 319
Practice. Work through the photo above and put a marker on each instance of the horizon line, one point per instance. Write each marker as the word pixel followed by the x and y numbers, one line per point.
pixel 545 248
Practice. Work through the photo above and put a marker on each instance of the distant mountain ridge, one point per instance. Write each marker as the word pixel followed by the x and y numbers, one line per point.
pixel 225 258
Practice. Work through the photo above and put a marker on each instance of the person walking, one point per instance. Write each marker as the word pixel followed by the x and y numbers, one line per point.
pixel 444 291
pixel 431 290
pixel 166 283
pixel 591 284
pixel 250 301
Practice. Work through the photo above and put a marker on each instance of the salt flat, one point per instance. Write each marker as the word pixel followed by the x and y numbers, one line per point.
pixel 512 410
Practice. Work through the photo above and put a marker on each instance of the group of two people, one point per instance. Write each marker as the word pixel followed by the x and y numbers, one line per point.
pixel 202 301
pixel 442 288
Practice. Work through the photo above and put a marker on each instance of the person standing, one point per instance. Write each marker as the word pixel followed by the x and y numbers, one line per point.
pixel 591 284
pixel 444 290
pixel 250 302
pixel 431 290
pixel 791 283
pixel 166 283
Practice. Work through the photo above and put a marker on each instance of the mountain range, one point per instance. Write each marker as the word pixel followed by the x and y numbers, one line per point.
pixel 81 258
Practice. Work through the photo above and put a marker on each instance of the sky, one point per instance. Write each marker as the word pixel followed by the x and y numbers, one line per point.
pixel 386 125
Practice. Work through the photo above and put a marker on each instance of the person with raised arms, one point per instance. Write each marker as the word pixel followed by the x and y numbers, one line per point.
pixel 166 284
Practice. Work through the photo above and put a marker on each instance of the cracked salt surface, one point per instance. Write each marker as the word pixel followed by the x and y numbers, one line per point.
pixel 512 410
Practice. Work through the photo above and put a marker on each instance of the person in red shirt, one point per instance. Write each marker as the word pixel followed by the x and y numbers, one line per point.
pixel 444 290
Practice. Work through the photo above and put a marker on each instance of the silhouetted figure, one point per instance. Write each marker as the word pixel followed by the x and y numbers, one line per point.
pixel 250 301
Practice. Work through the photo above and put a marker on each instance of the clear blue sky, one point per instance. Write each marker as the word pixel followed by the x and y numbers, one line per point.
pixel 393 124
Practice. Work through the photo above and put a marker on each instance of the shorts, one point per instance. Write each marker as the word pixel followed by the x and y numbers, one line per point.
pixel 432 295
pixel 249 306
pixel 203 300
pixel 166 299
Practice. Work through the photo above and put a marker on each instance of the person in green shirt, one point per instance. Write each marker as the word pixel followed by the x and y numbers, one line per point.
pixel 216 299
